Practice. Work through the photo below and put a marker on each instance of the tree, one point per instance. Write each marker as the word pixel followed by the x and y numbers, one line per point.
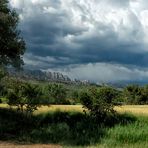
pixel 133 94
pixel 25 96
pixel 15 96
pixel 144 95
pixel 99 102
pixel 32 94
pixel 57 92
pixel 12 46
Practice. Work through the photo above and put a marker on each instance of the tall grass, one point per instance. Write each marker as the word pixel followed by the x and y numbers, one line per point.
pixel 66 128
pixel 74 129
pixel 134 134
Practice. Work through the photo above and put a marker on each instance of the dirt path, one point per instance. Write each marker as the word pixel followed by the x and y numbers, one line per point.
pixel 13 145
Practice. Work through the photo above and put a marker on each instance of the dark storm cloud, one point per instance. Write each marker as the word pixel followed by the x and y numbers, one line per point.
pixel 64 33
pixel 45 39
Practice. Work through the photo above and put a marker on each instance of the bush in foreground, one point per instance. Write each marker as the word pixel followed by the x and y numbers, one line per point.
pixel 99 102
pixel 25 96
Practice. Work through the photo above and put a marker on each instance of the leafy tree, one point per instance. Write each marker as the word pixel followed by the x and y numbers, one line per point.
pixel 57 92
pixel 32 94
pixel 99 102
pixel 12 46
pixel 25 96
pixel 3 90
pixel 2 72
pixel 15 96
pixel 133 94
pixel 144 95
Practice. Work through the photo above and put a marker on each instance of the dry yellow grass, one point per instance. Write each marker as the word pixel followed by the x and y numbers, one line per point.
pixel 136 109
pixel 4 106
pixel 44 109
pixel 63 108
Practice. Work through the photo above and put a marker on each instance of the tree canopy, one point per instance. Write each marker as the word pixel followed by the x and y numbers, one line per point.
pixel 12 45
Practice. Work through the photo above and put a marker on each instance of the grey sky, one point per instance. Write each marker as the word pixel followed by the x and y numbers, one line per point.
pixel 99 40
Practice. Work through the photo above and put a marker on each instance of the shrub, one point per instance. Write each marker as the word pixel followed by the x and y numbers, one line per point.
pixel 15 96
pixel 99 102
pixel 24 96
pixel 57 92
pixel 135 94
pixel 32 94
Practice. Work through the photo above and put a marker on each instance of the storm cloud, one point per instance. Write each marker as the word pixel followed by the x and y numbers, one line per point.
pixel 86 35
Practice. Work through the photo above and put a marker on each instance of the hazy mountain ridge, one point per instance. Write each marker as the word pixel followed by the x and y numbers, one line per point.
pixel 40 75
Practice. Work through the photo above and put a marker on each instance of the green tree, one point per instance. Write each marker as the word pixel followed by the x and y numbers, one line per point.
pixel 57 92
pixel 32 94
pixel 133 94
pixel 25 96
pixel 15 96
pixel 12 46
pixel 99 102
pixel 144 95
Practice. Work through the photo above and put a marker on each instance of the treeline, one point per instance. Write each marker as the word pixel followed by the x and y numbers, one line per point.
pixel 30 95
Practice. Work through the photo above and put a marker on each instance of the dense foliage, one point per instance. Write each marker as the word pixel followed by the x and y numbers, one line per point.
pixel 12 46
pixel 99 102
pixel 24 96
pixel 135 94
pixel 57 92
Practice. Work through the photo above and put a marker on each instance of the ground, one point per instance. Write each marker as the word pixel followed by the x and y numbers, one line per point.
pixel 13 145
pixel 135 109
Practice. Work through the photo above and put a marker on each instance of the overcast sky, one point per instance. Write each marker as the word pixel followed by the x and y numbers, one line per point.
pixel 99 40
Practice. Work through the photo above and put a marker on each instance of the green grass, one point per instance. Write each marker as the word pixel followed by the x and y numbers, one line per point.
pixel 74 129
pixel 134 134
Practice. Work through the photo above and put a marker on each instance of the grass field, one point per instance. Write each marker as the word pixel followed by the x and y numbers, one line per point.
pixel 66 126
pixel 135 109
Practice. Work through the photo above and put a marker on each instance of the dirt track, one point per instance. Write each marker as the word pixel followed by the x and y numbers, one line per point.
pixel 13 145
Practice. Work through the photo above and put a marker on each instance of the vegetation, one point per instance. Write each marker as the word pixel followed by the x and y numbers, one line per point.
pixel 99 102
pixel 70 129
pixel 135 94
pixel 57 92
pixel 98 125
pixel 12 46
pixel 24 96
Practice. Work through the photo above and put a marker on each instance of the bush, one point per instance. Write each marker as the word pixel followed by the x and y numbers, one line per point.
pixel 58 93
pixel 99 102
pixel 135 94
pixel 32 94
pixel 25 96
pixel 15 96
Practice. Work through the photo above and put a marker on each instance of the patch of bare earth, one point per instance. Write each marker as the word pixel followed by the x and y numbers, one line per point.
pixel 14 145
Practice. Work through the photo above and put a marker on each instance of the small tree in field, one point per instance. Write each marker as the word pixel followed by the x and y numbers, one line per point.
pixel 133 94
pixel 57 92
pixel 99 102
pixel 25 96
pixel 15 96
pixel 32 94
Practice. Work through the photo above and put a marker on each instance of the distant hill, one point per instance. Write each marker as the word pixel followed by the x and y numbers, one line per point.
pixel 47 76
pixel 39 75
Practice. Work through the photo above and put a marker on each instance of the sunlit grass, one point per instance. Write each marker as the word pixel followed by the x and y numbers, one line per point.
pixel 59 127
pixel 63 108
pixel 136 109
